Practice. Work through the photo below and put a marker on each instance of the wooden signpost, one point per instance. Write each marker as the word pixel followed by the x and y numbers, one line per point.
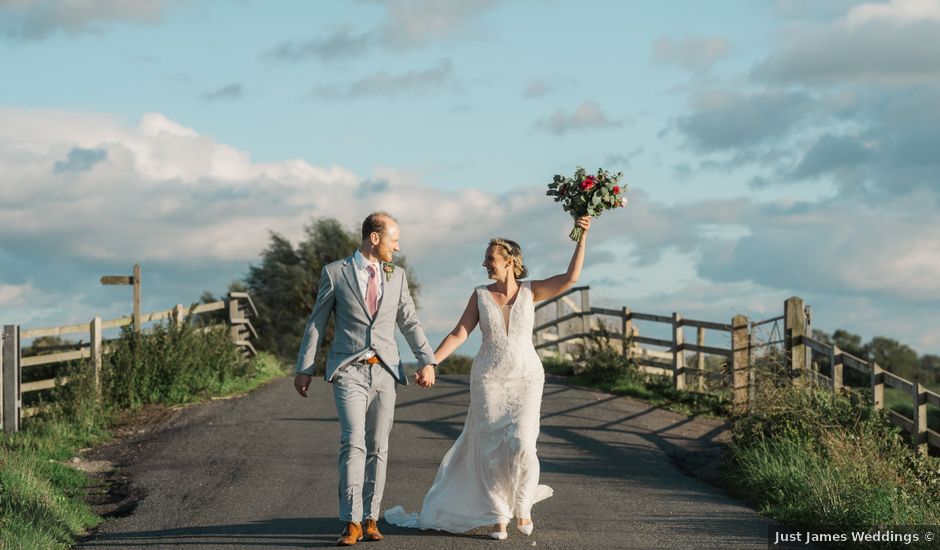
pixel 128 280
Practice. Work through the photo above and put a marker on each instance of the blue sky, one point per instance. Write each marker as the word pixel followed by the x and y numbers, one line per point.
pixel 771 148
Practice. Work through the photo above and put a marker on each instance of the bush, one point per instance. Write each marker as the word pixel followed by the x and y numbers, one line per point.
pixel 455 364
pixel 809 458
pixel 558 366
pixel 599 361
pixel 40 495
pixel 172 363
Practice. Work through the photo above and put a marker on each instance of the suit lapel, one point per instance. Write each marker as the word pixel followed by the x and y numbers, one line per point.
pixel 349 272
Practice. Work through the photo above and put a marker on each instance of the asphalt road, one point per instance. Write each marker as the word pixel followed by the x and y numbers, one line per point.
pixel 259 471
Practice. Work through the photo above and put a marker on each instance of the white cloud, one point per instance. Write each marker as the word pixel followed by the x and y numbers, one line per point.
pixel 899 11
pixel 39 19
pixel 197 212
pixel 414 23
pixel 891 44
pixel 408 24
pixel 162 190
pixel 176 201
pixel 586 116
pixel 691 53
pixel 14 295
pixel 386 84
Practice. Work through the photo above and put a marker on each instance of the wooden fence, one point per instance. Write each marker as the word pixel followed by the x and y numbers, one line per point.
pixel 564 322
pixel 803 351
pixel 237 308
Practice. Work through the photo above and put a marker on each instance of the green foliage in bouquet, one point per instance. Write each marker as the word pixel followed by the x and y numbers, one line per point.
pixel 586 194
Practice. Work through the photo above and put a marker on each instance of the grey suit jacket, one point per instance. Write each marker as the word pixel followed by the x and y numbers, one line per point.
pixel 355 331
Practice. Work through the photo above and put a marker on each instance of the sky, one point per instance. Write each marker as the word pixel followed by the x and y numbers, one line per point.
pixel 770 149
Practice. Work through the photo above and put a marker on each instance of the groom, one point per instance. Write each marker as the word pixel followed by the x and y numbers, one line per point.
pixel 368 296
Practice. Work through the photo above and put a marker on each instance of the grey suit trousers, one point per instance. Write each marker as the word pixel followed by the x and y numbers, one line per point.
pixel 365 402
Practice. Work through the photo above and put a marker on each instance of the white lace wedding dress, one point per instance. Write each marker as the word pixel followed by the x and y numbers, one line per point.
pixel 491 473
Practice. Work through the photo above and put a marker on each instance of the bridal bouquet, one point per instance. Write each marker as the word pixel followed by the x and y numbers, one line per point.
pixel 586 194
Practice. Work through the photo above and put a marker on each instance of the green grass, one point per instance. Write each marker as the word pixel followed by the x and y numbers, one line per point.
pixel 266 367
pixel 658 391
pixel 800 456
pixel 902 403
pixel 41 504
pixel 40 498
pixel 804 458
pixel 602 366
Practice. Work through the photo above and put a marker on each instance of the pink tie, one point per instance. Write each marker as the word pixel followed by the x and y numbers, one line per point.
pixel 372 291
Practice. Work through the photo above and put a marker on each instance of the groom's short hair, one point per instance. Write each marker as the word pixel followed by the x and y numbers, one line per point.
pixel 375 223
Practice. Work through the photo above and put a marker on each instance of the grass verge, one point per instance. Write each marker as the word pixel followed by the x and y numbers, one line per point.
pixel 41 498
pixel 801 456
pixel 807 458
pixel 599 365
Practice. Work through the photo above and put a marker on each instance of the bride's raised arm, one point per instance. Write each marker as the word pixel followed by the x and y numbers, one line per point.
pixel 468 321
pixel 546 289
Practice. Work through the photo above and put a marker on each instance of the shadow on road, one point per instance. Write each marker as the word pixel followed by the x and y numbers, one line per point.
pixel 274 533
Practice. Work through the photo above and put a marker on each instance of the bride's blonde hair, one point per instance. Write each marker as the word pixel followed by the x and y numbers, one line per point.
pixel 512 251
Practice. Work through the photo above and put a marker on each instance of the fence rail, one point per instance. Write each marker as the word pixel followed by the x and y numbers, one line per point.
pixel 574 320
pixel 572 327
pixel 238 308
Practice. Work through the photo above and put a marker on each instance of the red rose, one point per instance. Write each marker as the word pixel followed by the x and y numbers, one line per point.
pixel 616 189
pixel 587 183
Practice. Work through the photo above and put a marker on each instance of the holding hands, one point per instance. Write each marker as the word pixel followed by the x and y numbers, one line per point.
pixel 302 383
pixel 424 376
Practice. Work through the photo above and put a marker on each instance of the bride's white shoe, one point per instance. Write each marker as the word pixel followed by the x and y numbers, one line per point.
pixel 526 529
pixel 499 535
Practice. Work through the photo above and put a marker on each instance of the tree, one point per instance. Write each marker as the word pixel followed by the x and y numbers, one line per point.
pixel 849 342
pixel 284 285
pixel 929 370
pixel 893 356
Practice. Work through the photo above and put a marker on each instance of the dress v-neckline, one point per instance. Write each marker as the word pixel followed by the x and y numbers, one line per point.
pixel 507 322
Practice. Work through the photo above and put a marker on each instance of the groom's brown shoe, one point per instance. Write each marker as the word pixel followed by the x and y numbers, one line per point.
pixel 371 531
pixel 351 535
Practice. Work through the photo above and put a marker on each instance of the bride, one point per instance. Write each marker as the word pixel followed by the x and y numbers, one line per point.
pixel 491 473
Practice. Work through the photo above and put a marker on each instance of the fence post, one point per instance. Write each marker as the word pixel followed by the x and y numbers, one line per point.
pixel 179 313
pixel 95 330
pixel 740 343
pixel 700 359
pixel 877 386
pixel 537 335
pixel 626 326
pixel 678 357
pixel 586 325
pixel 558 329
pixel 232 313
pixel 919 437
pixel 808 331
pixel 835 359
pixel 12 405
pixel 136 315
pixel 751 369
pixel 793 332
